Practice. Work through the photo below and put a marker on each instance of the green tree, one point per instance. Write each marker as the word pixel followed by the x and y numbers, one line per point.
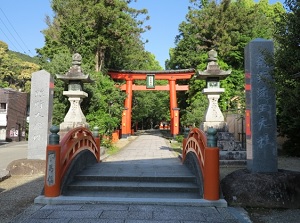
pixel 287 75
pixel 226 27
pixel 150 106
pixel 14 72
pixel 105 104
pixel 106 33
pixel 59 65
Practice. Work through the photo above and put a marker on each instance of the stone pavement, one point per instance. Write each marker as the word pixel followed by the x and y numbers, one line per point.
pixel 157 152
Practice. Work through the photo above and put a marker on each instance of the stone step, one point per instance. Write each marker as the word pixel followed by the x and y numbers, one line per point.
pixel 137 180
pixel 140 195
pixel 133 186
pixel 145 178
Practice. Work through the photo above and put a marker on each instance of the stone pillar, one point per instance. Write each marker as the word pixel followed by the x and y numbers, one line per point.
pixel 40 119
pixel 261 125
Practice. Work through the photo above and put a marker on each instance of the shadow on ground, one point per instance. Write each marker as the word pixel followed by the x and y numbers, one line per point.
pixel 17 193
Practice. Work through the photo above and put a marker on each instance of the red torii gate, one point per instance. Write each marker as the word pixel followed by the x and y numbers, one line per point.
pixel 150 77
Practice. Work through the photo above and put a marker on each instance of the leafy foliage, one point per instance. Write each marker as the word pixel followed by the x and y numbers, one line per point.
pixel 150 107
pixel 106 104
pixel 24 57
pixel 287 76
pixel 15 72
pixel 107 35
pixel 226 27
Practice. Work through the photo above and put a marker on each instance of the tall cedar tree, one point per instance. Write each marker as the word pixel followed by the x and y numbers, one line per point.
pixel 226 27
pixel 287 77
pixel 107 35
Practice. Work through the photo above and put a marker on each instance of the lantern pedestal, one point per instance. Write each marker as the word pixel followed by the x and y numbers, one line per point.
pixel 213 116
pixel 74 118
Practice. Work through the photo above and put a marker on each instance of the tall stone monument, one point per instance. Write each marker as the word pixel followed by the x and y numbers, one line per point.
pixel 213 74
pixel 261 125
pixel 40 119
pixel 75 79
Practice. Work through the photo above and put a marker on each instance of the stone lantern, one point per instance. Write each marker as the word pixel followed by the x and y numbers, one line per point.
pixel 213 74
pixel 75 79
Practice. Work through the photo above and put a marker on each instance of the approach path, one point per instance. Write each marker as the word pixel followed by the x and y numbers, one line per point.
pixel 150 149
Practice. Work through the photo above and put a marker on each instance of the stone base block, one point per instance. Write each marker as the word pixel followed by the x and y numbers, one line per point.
pixel 27 167
pixel 230 145
pixel 65 127
pixel 233 155
pixel 228 136
pixel 220 126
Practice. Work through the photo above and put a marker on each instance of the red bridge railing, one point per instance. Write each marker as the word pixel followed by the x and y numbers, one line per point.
pixel 61 154
pixel 208 160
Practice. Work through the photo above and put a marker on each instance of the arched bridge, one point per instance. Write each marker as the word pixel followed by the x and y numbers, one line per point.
pixel 146 170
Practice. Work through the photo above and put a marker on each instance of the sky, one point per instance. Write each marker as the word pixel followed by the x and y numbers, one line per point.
pixel 21 23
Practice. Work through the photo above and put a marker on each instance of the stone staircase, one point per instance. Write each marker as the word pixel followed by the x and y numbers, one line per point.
pixel 146 171
pixel 125 181
pixel 231 151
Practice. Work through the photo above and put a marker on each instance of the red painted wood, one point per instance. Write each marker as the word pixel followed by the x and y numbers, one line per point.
pixel 128 106
pixel 157 87
pixel 170 75
pixel 127 75
pixel 173 104
pixel 75 141
pixel 208 161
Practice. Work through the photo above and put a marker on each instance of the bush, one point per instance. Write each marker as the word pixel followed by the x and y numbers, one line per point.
pixel 179 138
pixel 291 148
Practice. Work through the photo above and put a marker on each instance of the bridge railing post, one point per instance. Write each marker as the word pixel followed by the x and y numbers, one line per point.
pixel 53 175
pixel 211 167
pixel 97 140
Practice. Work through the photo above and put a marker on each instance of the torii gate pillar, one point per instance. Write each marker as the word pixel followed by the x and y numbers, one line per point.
pixel 126 115
pixel 174 111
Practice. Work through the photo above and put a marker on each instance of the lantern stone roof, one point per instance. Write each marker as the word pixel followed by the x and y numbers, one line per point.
pixel 213 69
pixel 75 72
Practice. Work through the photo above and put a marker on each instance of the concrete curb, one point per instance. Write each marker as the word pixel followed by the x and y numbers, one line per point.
pixel 109 200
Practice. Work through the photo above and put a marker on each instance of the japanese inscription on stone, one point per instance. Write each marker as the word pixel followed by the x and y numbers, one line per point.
pixel 40 114
pixel 260 107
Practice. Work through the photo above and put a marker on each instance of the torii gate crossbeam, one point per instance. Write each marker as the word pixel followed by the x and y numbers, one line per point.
pixel 171 75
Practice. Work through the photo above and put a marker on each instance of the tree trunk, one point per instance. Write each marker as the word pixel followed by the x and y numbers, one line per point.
pixel 99 58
